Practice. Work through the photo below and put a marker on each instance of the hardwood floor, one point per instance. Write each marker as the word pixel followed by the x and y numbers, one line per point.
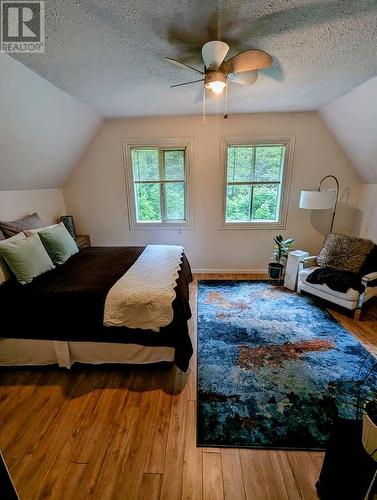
pixel 129 432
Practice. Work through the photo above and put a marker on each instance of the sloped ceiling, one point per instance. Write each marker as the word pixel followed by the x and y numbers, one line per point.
pixel 43 130
pixel 352 118
pixel 110 53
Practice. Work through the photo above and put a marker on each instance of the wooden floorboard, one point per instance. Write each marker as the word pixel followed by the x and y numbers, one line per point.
pixel 129 433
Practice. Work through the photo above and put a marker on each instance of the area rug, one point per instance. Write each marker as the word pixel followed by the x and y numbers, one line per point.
pixel 274 368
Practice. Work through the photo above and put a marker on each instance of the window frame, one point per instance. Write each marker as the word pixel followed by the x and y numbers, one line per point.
pixel 162 144
pixel 288 142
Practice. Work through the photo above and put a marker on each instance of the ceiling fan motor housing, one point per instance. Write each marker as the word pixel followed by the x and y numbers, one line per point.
pixel 214 76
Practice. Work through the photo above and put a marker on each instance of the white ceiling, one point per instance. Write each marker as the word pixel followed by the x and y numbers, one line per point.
pixel 110 53
pixel 352 119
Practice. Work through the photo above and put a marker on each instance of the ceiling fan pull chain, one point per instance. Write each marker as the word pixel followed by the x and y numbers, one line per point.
pixel 226 101
pixel 204 105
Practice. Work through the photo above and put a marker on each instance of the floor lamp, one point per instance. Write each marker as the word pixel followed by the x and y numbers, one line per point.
pixel 321 200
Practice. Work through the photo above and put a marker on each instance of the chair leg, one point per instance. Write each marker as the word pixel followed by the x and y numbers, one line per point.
pixel 360 304
pixel 357 314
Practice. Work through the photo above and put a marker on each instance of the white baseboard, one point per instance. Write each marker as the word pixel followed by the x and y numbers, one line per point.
pixel 229 271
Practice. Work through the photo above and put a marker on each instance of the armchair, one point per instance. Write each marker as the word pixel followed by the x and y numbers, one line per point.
pixel 351 299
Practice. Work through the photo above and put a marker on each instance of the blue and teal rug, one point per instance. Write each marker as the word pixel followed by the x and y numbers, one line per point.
pixel 274 368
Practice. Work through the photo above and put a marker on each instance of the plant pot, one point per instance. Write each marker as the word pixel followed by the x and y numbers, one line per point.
pixel 369 437
pixel 275 270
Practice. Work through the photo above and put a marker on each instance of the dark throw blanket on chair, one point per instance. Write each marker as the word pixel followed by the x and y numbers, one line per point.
pixel 341 281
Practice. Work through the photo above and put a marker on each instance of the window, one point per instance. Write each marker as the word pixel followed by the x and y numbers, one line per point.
pixel 255 184
pixel 158 185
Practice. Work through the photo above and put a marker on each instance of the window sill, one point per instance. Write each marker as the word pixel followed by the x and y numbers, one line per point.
pixel 161 225
pixel 252 225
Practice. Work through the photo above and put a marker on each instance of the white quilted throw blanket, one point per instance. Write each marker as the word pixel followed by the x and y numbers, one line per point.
pixel 143 296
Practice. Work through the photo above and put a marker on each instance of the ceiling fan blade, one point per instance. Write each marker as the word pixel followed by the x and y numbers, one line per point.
pixel 214 54
pixel 246 61
pixel 182 65
pixel 245 78
pixel 186 83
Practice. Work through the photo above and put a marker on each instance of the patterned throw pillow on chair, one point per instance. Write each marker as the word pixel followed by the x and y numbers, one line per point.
pixel 344 253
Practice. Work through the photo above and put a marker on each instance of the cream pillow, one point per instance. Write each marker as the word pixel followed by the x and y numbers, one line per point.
pixel 30 232
pixel 5 272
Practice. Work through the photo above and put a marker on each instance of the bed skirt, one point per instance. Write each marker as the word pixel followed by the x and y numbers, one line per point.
pixel 20 352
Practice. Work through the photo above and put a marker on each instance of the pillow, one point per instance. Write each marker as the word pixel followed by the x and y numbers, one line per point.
pixel 5 272
pixel 26 258
pixel 9 229
pixel 30 232
pixel 344 253
pixel 370 264
pixel 58 242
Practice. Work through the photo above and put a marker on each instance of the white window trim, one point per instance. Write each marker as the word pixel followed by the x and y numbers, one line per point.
pixel 289 142
pixel 187 144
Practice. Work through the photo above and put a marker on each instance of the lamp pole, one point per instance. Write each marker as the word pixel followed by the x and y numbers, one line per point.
pixel 336 197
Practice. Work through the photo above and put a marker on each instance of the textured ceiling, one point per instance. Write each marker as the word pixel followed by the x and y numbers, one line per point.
pixel 110 53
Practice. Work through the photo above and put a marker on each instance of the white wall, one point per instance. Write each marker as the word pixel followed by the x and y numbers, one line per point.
pixel 96 196
pixel 368 205
pixel 49 204
pixel 43 130
pixel 352 119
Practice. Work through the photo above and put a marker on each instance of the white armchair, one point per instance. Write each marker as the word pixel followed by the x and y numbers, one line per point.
pixel 352 299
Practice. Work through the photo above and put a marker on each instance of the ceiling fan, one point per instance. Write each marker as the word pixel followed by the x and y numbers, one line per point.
pixel 241 68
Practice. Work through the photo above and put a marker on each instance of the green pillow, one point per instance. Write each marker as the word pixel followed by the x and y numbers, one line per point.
pixel 26 258
pixel 58 242
pixel 5 272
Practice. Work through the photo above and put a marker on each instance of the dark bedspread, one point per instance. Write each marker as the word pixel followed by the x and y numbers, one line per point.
pixel 68 303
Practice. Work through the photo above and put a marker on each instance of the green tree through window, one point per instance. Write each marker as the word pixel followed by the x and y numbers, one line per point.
pixel 160 184
pixel 254 182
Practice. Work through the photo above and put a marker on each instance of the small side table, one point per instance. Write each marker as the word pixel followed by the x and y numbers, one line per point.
pixel 291 271
pixel 82 241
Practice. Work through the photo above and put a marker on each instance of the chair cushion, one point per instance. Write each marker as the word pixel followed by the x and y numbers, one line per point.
pixel 350 295
pixel 339 281
pixel 344 253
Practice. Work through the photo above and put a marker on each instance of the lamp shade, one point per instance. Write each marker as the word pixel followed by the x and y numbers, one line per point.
pixel 318 200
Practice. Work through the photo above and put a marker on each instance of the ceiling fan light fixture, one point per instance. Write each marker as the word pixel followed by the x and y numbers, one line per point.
pixel 215 81
pixel 217 87
pixel 217 72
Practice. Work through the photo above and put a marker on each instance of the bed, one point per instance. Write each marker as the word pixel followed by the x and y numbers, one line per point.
pixel 58 318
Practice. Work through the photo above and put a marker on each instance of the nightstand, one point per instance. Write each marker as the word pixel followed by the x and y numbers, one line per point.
pixel 83 241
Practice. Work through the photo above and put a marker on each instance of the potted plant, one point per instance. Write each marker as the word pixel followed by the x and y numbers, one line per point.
pixel 370 428
pixel 280 253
